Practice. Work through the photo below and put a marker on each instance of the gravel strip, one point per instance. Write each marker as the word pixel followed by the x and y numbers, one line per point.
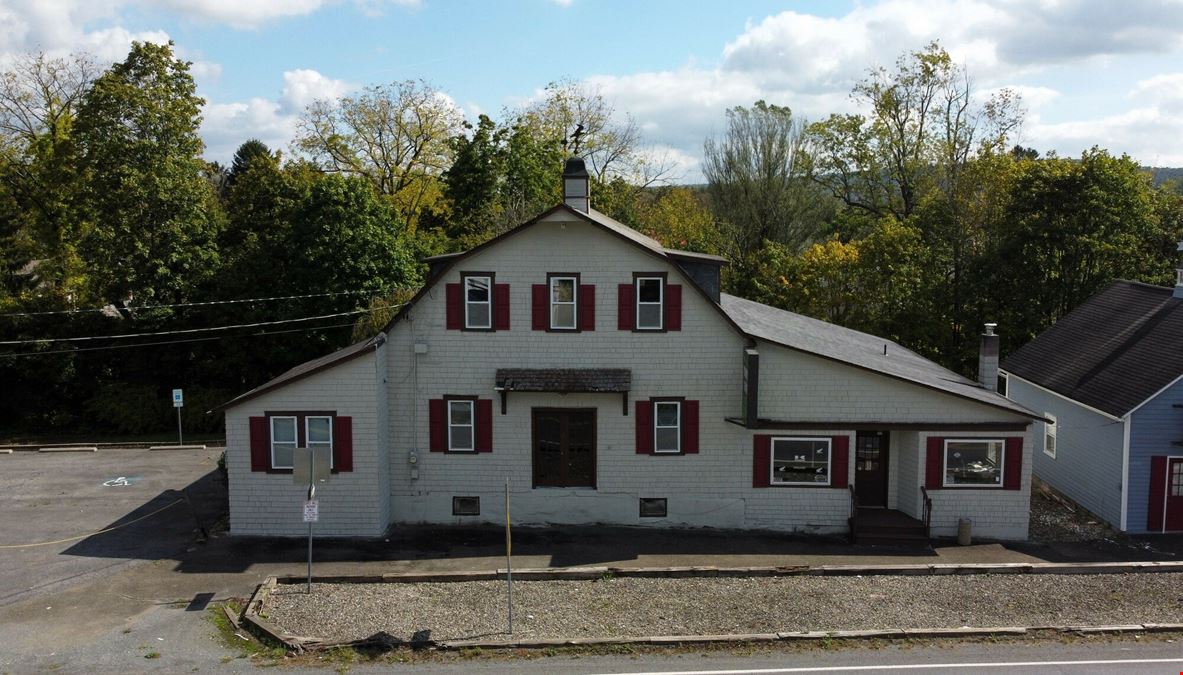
pixel 644 606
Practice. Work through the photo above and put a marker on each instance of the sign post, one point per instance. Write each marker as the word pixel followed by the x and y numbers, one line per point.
pixel 310 465
pixel 508 556
pixel 178 403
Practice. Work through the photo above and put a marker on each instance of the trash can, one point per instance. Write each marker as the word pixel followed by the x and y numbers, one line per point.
pixel 965 531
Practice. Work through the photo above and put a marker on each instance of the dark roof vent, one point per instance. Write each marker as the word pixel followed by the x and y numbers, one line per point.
pixel 576 188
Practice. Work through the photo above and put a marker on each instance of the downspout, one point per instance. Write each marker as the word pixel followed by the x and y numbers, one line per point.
pixel 1125 471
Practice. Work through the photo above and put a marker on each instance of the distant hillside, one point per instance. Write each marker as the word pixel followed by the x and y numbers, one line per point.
pixel 1163 174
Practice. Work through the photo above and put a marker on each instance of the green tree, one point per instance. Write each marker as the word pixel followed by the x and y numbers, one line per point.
pixel 152 217
pixel 395 135
pixel 246 153
pixel 1072 226
pixel 757 185
pixel 471 183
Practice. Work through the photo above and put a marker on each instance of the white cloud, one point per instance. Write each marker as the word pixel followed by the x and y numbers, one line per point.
pixel 302 87
pixel 255 13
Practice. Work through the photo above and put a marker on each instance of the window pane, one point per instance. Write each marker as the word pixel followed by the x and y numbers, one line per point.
pixel 562 290
pixel 973 463
pixel 478 289
pixel 667 439
pixel 461 412
pixel 478 315
pixel 563 316
pixel 283 429
pixel 667 414
pixel 461 438
pixel 649 290
pixel 282 455
pixel 801 461
pixel 318 430
pixel 649 316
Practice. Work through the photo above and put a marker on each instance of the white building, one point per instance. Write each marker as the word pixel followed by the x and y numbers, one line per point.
pixel 610 381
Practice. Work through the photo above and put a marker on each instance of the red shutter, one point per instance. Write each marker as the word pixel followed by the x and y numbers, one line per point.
pixel 690 427
pixel 934 466
pixel 1158 494
pixel 343 443
pixel 644 422
pixel 1012 478
pixel 260 444
pixel 587 307
pixel 839 461
pixel 500 306
pixel 626 307
pixel 539 311
pixel 484 425
pixel 673 307
pixel 761 460
pixel 454 297
pixel 437 410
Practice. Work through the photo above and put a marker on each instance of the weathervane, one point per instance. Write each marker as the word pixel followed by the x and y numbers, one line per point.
pixel 571 143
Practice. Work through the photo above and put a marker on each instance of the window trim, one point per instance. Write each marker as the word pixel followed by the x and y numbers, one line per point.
pixel 772 482
pixel 667 401
pixel 1004 384
pixel 471 401
pixel 492 278
pixel 1001 485
pixel 271 440
pixel 301 435
pixel 1051 431
pixel 550 303
pixel 663 279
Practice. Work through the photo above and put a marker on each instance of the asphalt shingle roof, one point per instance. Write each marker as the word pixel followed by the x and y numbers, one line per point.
pixel 858 349
pixel 1114 351
pixel 564 379
pixel 307 368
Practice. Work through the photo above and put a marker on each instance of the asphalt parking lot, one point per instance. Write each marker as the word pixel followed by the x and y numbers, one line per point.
pixel 156 501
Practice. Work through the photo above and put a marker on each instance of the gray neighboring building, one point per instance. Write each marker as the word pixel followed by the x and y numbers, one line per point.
pixel 1108 379
pixel 607 379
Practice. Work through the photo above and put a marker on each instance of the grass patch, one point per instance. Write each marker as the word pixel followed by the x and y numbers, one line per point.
pixel 152 655
pixel 231 638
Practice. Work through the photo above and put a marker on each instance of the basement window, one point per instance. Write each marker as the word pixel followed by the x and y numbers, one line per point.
pixel 466 506
pixel 653 507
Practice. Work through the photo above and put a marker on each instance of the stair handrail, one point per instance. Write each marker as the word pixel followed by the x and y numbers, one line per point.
pixel 927 510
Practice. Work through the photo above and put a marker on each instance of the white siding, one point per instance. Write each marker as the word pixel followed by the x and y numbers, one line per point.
pixel 351 503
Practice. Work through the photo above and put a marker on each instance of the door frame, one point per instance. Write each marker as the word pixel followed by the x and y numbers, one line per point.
pixel 1166 491
pixel 595 442
pixel 884 462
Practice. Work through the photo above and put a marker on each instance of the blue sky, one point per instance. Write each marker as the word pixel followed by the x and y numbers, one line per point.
pixel 1091 72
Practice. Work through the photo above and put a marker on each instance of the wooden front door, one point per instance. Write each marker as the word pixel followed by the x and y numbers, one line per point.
pixel 1174 510
pixel 565 447
pixel 870 468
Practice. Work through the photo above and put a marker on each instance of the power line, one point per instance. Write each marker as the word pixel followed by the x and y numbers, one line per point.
pixel 175 342
pixel 189 331
pixel 197 304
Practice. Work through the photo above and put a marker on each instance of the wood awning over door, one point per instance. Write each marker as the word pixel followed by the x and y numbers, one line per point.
pixel 564 381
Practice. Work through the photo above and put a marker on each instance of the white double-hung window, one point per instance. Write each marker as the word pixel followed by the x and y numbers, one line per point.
pixel 974 462
pixel 650 303
pixel 563 301
pixel 667 426
pixel 461 429
pixel 283 441
pixel 318 434
pixel 478 302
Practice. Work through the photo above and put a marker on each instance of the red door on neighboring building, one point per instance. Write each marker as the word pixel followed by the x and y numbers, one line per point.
pixel 1166 494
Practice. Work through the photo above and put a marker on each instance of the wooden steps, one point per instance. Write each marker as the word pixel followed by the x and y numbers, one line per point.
pixel 887 527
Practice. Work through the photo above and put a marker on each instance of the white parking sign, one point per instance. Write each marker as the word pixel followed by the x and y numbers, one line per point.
pixel 178 399
pixel 311 511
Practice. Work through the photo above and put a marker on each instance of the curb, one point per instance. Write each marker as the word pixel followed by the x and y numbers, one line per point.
pixel 70 448
pixel 176 447
pixel 591 573
pixel 252 616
